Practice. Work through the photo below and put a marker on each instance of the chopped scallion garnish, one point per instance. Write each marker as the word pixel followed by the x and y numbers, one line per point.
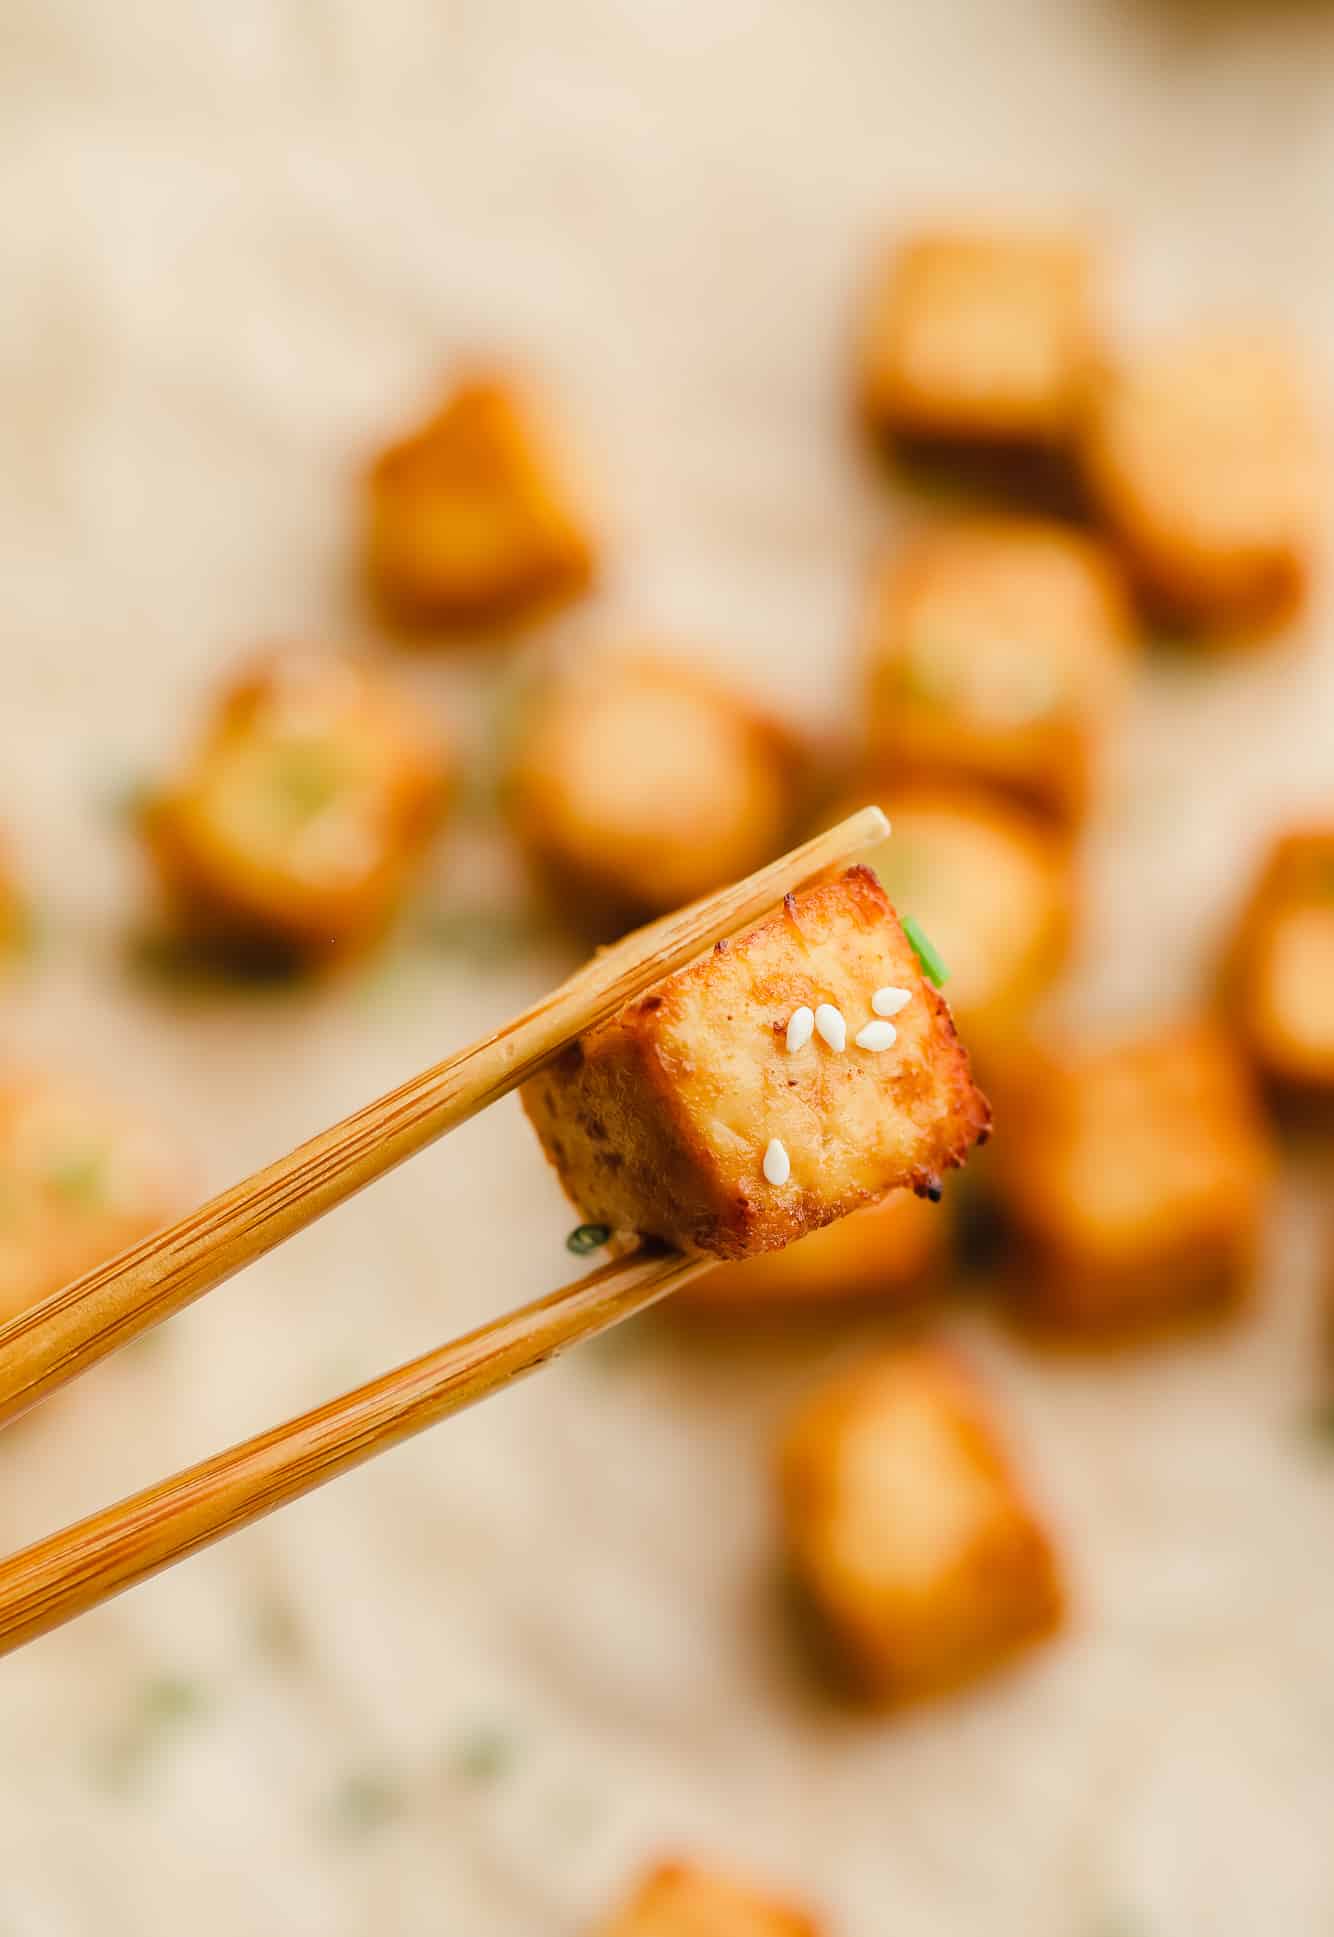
pixel 588 1237
pixel 933 968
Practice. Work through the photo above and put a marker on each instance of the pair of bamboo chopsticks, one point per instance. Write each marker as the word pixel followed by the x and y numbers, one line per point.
pixel 69 1572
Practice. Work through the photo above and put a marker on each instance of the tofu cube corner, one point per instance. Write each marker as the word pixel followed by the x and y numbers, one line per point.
pixel 665 1120
pixel 908 1531
pixel 679 1899
pixel 1134 1177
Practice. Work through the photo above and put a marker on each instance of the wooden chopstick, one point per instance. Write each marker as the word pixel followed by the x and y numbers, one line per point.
pixel 54 1341
pixel 64 1575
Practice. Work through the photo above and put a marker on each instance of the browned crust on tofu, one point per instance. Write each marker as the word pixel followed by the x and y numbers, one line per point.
pixel 892 1253
pixel 1019 599
pixel 933 1627
pixel 635 1115
pixel 619 819
pixel 684 1899
pixel 244 897
pixel 1286 932
pixel 977 337
pixel 469 523
pixel 1177 1109
pixel 1200 454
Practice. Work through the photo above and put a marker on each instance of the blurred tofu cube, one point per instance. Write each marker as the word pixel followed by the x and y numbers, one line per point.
pixel 302 811
pixel 80 1179
pixel 471 523
pixel 637 785
pixel 1201 456
pixel 687 1118
pixel 997 652
pixel 993 887
pixel 1281 971
pixel 908 1531
pixel 1135 1178
pixel 890 1253
pixel 978 338
pixel 686 1900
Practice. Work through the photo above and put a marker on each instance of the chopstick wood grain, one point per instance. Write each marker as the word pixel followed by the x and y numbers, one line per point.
pixel 69 1572
pixel 54 1341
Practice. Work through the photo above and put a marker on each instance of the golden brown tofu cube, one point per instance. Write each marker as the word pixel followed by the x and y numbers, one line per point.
pixel 978 338
pixel 686 1900
pixel 687 1118
pixel 637 785
pixel 1281 972
pixel 470 522
pixel 997 652
pixel 1135 1178
pixel 908 1531
pixel 890 1253
pixel 993 887
pixel 301 814
pixel 80 1180
pixel 1200 454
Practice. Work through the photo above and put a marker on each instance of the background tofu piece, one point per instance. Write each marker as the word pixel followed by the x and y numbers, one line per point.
pixel 295 825
pixel 686 1900
pixel 470 523
pixel 997 651
pixel 637 785
pixel 1280 974
pixel 994 888
pixel 1201 455
pixel 976 337
pixel 1135 1179
pixel 908 1531
pixel 79 1180
pixel 659 1121
pixel 891 1252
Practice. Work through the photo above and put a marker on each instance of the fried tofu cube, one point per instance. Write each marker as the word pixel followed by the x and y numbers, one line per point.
pixel 1281 972
pixel 907 1529
pixel 80 1179
pixel 993 887
pixel 301 814
pixel 638 784
pixel 997 652
pixel 889 1253
pixel 1200 454
pixel 687 1118
pixel 979 338
pixel 470 522
pixel 686 1900
pixel 1135 1178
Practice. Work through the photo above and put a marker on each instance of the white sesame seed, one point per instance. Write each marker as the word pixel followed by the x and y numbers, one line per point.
pixel 800 1028
pixel 877 1035
pixel 888 1002
pixel 777 1164
pixel 831 1026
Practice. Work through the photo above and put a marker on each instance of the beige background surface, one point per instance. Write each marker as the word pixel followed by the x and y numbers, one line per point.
pixel 236 243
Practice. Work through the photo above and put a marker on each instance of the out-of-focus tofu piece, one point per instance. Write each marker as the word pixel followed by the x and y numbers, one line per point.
pixel 687 1900
pixel 979 338
pixel 637 785
pixel 993 887
pixel 908 1531
pixel 1201 456
pixel 80 1179
pixel 687 1118
pixel 1281 970
pixel 891 1252
pixel 302 811
pixel 997 652
pixel 1135 1179
pixel 471 522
